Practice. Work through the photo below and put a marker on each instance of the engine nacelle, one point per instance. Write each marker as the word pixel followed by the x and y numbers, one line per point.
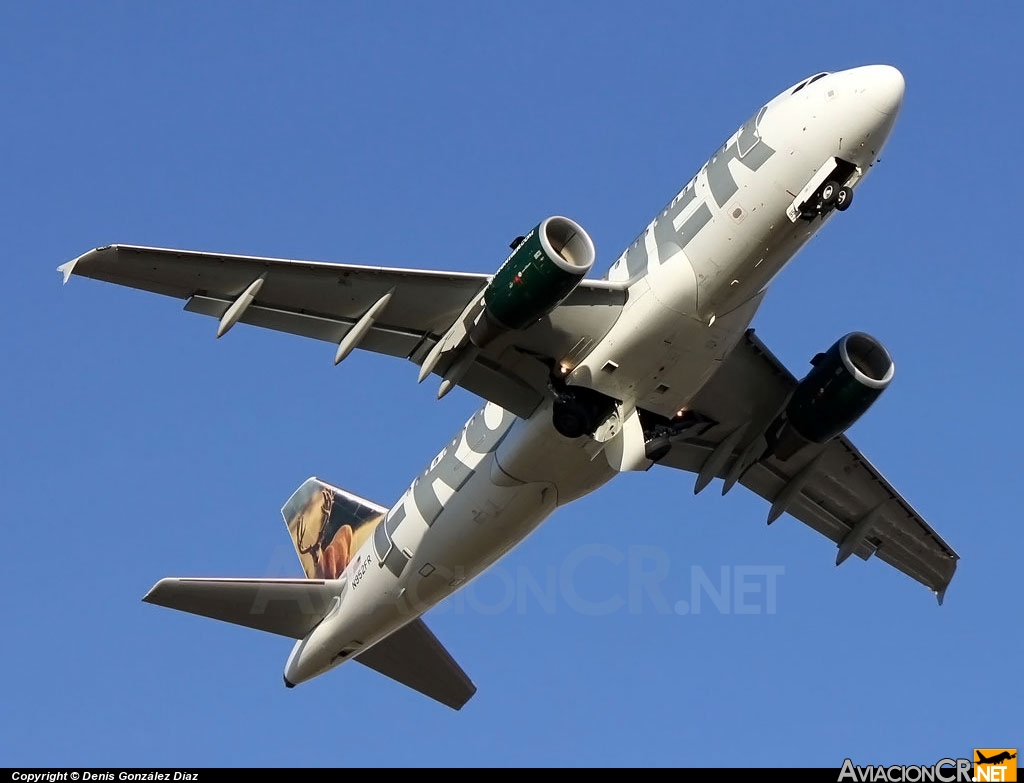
pixel 844 382
pixel 542 270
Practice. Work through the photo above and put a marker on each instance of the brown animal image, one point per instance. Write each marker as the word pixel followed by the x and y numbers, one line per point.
pixel 336 555
pixel 328 526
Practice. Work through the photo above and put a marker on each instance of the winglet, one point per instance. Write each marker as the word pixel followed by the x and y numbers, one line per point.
pixel 940 595
pixel 67 269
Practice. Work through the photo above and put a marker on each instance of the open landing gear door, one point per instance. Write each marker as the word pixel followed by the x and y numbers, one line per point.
pixel 815 198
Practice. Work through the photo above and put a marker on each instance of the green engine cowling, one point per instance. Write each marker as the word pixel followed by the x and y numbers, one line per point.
pixel 542 270
pixel 844 382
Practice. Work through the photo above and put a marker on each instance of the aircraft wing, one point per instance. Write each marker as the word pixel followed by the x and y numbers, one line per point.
pixel 832 488
pixel 325 300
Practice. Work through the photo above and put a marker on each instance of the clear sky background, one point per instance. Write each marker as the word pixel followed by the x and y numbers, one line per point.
pixel 135 446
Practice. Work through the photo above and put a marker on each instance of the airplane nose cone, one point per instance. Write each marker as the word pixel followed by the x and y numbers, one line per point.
pixel 883 87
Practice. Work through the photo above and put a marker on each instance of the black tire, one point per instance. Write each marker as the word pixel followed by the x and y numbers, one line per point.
pixel 571 419
pixel 829 191
pixel 844 197
pixel 658 447
pixel 578 411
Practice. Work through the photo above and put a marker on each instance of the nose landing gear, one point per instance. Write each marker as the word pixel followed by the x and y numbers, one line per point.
pixel 831 196
pixel 830 187
pixel 844 197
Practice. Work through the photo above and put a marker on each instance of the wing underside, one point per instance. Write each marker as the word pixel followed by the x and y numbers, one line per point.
pixel 324 301
pixel 833 488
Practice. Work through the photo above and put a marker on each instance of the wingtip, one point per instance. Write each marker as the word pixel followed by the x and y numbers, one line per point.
pixel 150 595
pixel 67 269
pixel 458 705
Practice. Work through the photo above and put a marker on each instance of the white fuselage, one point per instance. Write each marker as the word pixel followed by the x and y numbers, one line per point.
pixel 695 278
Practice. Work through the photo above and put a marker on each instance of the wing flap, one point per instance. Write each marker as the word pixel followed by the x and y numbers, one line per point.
pixel 413 656
pixel 287 607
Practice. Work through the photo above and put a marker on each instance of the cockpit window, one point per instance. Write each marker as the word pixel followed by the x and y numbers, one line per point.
pixel 805 82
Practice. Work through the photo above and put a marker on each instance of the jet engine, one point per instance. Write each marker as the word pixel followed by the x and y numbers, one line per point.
pixel 542 270
pixel 842 384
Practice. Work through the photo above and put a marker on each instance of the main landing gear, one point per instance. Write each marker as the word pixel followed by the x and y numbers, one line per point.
pixel 659 430
pixel 578 411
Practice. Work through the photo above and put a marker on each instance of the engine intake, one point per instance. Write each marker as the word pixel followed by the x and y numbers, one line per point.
pixel 843 383
pixel 542 270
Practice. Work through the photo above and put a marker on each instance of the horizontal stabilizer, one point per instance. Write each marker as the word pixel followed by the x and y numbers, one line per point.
pixel 413 656
pixel 289 607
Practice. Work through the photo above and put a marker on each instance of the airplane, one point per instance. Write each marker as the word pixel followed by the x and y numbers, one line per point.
pixel 655 363
pixel 999 758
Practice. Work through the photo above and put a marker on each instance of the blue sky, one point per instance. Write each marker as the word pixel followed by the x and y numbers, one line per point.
pixel 135 446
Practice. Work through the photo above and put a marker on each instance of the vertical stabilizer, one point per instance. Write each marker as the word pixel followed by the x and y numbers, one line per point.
pixel 327 525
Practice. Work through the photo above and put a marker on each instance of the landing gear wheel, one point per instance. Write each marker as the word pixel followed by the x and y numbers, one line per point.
pixel 843 199
pixel 829 192
pixel 578 411
pixel 658 446
pixel 571 418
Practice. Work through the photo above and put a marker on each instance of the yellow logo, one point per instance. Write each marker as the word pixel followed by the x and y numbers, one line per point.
pixel 995 764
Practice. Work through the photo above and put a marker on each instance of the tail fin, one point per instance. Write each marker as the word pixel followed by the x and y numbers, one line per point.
pixel 327 525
